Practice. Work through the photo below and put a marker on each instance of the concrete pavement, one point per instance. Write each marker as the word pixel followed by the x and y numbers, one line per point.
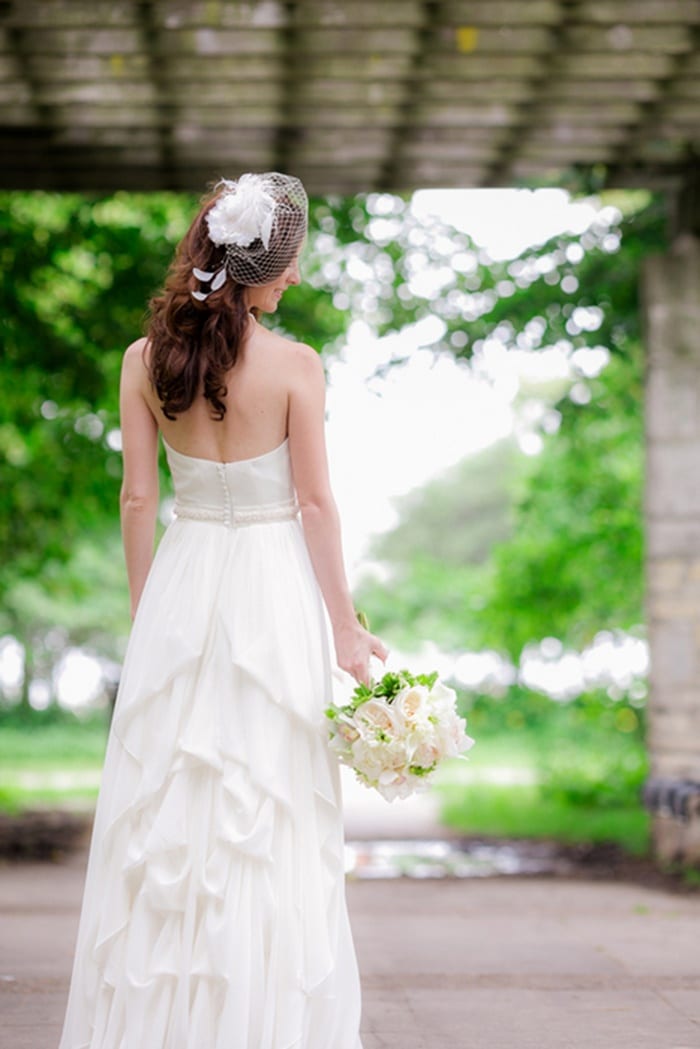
pixel 468 964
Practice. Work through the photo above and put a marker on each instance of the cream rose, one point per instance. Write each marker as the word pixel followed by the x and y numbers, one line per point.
pixel 347 731
pixel 413 704
pixel 442 699
pixel 378 715
pixel 425 755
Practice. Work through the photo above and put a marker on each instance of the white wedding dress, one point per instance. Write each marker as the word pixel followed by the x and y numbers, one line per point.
pixel 214 912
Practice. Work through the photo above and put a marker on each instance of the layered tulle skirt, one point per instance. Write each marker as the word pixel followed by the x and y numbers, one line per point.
pixel 214 913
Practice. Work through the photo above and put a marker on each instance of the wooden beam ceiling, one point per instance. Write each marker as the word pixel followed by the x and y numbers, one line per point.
pixel 350 96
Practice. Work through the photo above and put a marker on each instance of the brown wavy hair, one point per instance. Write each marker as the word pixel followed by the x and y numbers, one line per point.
pixel 194 344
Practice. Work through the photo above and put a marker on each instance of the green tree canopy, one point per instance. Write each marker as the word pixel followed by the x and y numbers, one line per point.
pixel 76 276
pixel 574 563
pixel 436 562
pixel 571 564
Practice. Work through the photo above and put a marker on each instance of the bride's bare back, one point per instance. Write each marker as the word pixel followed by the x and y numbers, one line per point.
pixel 257 399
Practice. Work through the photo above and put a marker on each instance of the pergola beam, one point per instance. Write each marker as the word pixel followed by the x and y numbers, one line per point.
pixel 409 92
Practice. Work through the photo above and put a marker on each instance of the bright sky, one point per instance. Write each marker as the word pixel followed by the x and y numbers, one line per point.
pixel 388 436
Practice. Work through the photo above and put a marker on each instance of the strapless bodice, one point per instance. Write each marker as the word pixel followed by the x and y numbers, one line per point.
pixel 246 491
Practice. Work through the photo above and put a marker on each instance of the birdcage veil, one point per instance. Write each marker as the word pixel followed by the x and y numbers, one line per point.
pixel 259 221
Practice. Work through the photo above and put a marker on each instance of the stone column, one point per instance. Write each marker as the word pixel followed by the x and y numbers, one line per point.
pixel 671 304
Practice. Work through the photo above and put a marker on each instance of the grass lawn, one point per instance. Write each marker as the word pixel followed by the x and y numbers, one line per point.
pixel 51 762
pixel 526 812
pixel 524 787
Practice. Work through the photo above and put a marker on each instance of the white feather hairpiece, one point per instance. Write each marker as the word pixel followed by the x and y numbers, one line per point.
pixel 244 213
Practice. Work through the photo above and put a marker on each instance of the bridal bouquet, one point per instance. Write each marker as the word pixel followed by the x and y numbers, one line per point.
pixel 394 732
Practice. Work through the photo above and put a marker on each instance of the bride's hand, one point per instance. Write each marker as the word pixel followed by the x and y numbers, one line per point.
pixel 353 648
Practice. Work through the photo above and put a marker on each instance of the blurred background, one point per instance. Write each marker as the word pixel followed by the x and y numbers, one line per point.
pixel 485 423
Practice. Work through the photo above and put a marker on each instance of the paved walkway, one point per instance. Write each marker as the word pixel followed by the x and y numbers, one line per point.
pixel 486 964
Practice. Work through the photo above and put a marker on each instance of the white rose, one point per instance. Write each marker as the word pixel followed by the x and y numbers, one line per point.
pixel 400 787
pixel 367 758
pixel 395 755
pixel 425 755
pixel 346 730
pixel 378 715
pixel 375 759
pixel 442 699
pixel 453 739
pixel 413 704
pixel 340 746
pixel 462 741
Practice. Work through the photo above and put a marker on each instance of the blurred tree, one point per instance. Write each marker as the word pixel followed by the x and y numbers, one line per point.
pixel 572 562
pixel 435 565
pixel 75 278
pixel 81 602
pixel 76 275
pixel 574 291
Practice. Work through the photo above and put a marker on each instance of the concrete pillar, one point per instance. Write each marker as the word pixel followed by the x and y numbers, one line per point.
pixel 671 304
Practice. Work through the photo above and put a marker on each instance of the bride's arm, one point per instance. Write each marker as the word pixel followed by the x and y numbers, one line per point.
pixel 138 500
pixel 319 513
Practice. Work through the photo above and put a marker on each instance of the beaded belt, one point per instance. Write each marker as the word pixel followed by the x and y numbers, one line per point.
pixel 239 515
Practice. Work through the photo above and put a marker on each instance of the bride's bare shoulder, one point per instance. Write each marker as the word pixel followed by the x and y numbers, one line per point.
pixel 304 357
pixel 137 351
pixel 135 365
pixel 295 358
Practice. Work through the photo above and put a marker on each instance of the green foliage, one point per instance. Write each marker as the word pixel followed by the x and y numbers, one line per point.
pixel 579 769
pixel 85 597
pixel 605 781
pixel 437 558
pixel 574 564
pixel 50 758
pixel 561 542
pixel 522 713
pixel 427 598
pixel 76 274
pixel 605 277
pixel 524 812
pixel 564 534
pixel 17 798
pixel 460 514
pixel 529 302
pixel 12 802
pixel 53 738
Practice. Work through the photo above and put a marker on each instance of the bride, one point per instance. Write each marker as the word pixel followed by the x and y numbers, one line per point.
pixel 214 912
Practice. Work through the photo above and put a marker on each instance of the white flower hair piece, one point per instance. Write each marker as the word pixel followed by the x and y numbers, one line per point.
pixel 242 221
pixel 243 213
